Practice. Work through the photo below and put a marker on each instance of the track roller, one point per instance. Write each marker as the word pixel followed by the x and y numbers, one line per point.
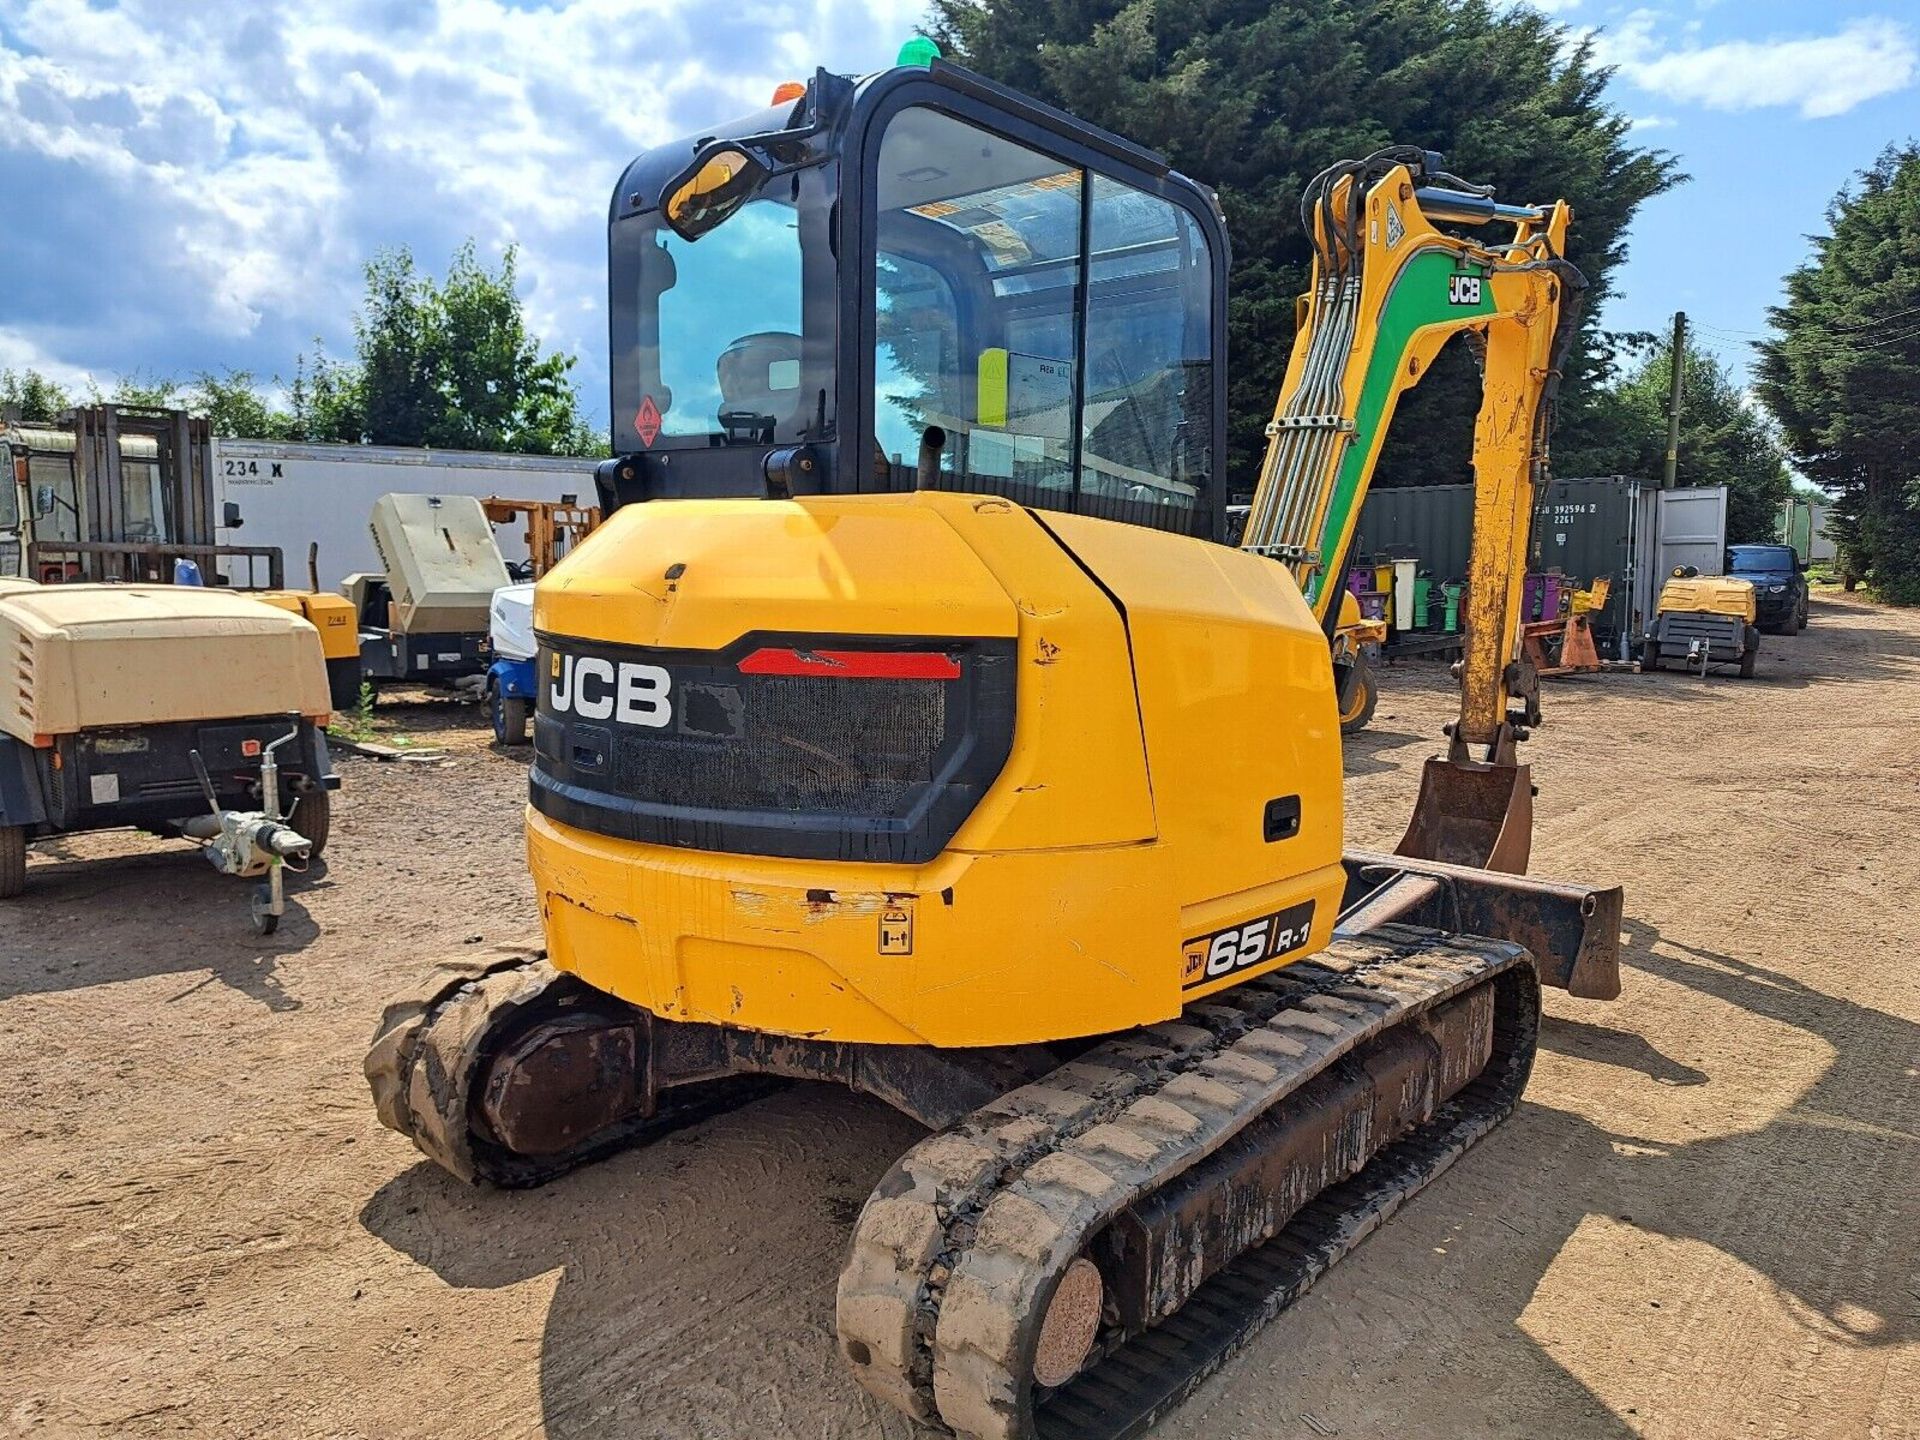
pixel 510 1073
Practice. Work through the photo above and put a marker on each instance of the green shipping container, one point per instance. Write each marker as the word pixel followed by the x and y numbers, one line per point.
pixel 1583 528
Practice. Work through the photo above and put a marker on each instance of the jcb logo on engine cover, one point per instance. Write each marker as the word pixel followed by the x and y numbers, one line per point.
pixel 1463 290
pixel 1207 958
pixel 624 691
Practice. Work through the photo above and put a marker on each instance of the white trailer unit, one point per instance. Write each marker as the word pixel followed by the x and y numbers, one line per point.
pixel 293 495
pixel 1675 527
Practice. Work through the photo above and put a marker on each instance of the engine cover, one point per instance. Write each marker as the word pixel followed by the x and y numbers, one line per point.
pixel 926 768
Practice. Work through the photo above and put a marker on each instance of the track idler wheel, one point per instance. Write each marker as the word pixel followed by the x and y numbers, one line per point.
pixel 511 1072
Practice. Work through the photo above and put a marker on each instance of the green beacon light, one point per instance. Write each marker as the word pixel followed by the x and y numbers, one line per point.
pixel 919 51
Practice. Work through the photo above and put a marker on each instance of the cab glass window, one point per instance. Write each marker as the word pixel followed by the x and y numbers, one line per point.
pixel 918 379
pixel 1147 425
pixel 730 351
pixel 1061 379
pixel 716 340
pixel 55 471
pixel 140 490
pixel 976 282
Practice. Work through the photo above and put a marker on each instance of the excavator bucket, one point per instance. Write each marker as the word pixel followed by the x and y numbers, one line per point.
pixel 1472 813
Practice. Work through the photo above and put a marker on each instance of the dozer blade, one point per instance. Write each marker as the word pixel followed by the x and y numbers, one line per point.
pixel 1472 813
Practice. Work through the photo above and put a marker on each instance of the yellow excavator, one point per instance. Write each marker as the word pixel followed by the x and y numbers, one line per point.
pixel 908 724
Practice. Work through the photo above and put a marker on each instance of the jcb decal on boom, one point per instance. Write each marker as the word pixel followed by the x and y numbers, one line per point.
pixel 1207 958
pixel 1463 290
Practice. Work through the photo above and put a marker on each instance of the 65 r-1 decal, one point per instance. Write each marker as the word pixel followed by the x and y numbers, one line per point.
pixel 1207 958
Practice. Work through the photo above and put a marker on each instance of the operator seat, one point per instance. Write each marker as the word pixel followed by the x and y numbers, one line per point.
pixel 760 391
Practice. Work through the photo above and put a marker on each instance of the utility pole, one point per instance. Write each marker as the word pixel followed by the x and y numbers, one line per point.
pixel 1673 399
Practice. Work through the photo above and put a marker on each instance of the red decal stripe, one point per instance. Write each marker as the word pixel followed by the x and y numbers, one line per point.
pixel 853 664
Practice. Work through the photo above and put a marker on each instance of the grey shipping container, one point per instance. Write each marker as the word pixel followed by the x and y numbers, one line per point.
pixel 1584 528
pixel 1616 526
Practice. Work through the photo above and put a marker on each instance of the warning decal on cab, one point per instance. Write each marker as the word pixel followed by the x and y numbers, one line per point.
pixel 647 422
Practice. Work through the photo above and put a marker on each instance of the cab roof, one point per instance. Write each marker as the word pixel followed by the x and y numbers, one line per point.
pixel 830 99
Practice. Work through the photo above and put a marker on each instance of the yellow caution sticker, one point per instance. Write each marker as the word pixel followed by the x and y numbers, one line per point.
pixel 896 925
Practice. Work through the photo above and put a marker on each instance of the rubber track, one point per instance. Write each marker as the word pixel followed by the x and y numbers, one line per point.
pixel 955 1255
pixel 427 1055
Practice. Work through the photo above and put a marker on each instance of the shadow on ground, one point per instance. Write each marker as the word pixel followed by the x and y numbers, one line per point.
pixel 629 1240
pixel 100 920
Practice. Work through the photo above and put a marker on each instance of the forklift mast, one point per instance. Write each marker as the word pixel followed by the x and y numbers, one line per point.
pixel 133 494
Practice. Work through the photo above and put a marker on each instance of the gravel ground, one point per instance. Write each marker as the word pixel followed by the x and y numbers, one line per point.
pixel 1701 1221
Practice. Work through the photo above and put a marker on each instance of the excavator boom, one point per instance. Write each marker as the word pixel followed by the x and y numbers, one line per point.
pixel 1402 266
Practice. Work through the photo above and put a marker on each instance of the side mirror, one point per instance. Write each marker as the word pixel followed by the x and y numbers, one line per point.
pixel 707 193
pixel 230 515
pixel 1803 566
pixel 43 500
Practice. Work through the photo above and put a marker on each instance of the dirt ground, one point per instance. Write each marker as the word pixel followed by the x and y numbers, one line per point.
pixel 1701 1222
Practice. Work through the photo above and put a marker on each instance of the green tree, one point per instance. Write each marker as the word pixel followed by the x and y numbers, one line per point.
pixel 1723 439
pixel 1842 371
pixel 32 395
pixel 235 405
pixel 1255 97
pixel 498 390
pixel 141 388
pixel 324 399
pixel 448 363
pixel 398 394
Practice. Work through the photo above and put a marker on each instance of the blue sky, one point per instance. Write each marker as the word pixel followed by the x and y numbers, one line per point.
pixel 194 184
pixel 1771 106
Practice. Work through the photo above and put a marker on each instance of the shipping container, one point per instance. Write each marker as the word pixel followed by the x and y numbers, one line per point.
pixel 294 495
pixel 1795 526
pixel 1803 525
pixel 1584 527
pixel 1823 547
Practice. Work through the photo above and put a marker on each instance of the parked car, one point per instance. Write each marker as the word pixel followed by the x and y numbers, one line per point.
pixel 1779 579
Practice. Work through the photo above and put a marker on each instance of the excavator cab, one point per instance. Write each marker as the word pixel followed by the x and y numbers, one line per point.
pixel 919 280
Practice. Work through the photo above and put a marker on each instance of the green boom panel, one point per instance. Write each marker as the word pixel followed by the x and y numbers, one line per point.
pixel 1417 298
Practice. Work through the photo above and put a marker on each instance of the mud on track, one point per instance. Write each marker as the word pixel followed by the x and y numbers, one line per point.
pixel 1701 1221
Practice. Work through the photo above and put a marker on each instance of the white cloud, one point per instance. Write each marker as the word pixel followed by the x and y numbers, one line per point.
pixel 20 352
pixel 210 177
pixel 1652 122
pixel 1820 75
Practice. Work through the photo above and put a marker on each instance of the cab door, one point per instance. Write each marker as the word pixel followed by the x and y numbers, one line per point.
pixel 50 514
pixel 14 503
